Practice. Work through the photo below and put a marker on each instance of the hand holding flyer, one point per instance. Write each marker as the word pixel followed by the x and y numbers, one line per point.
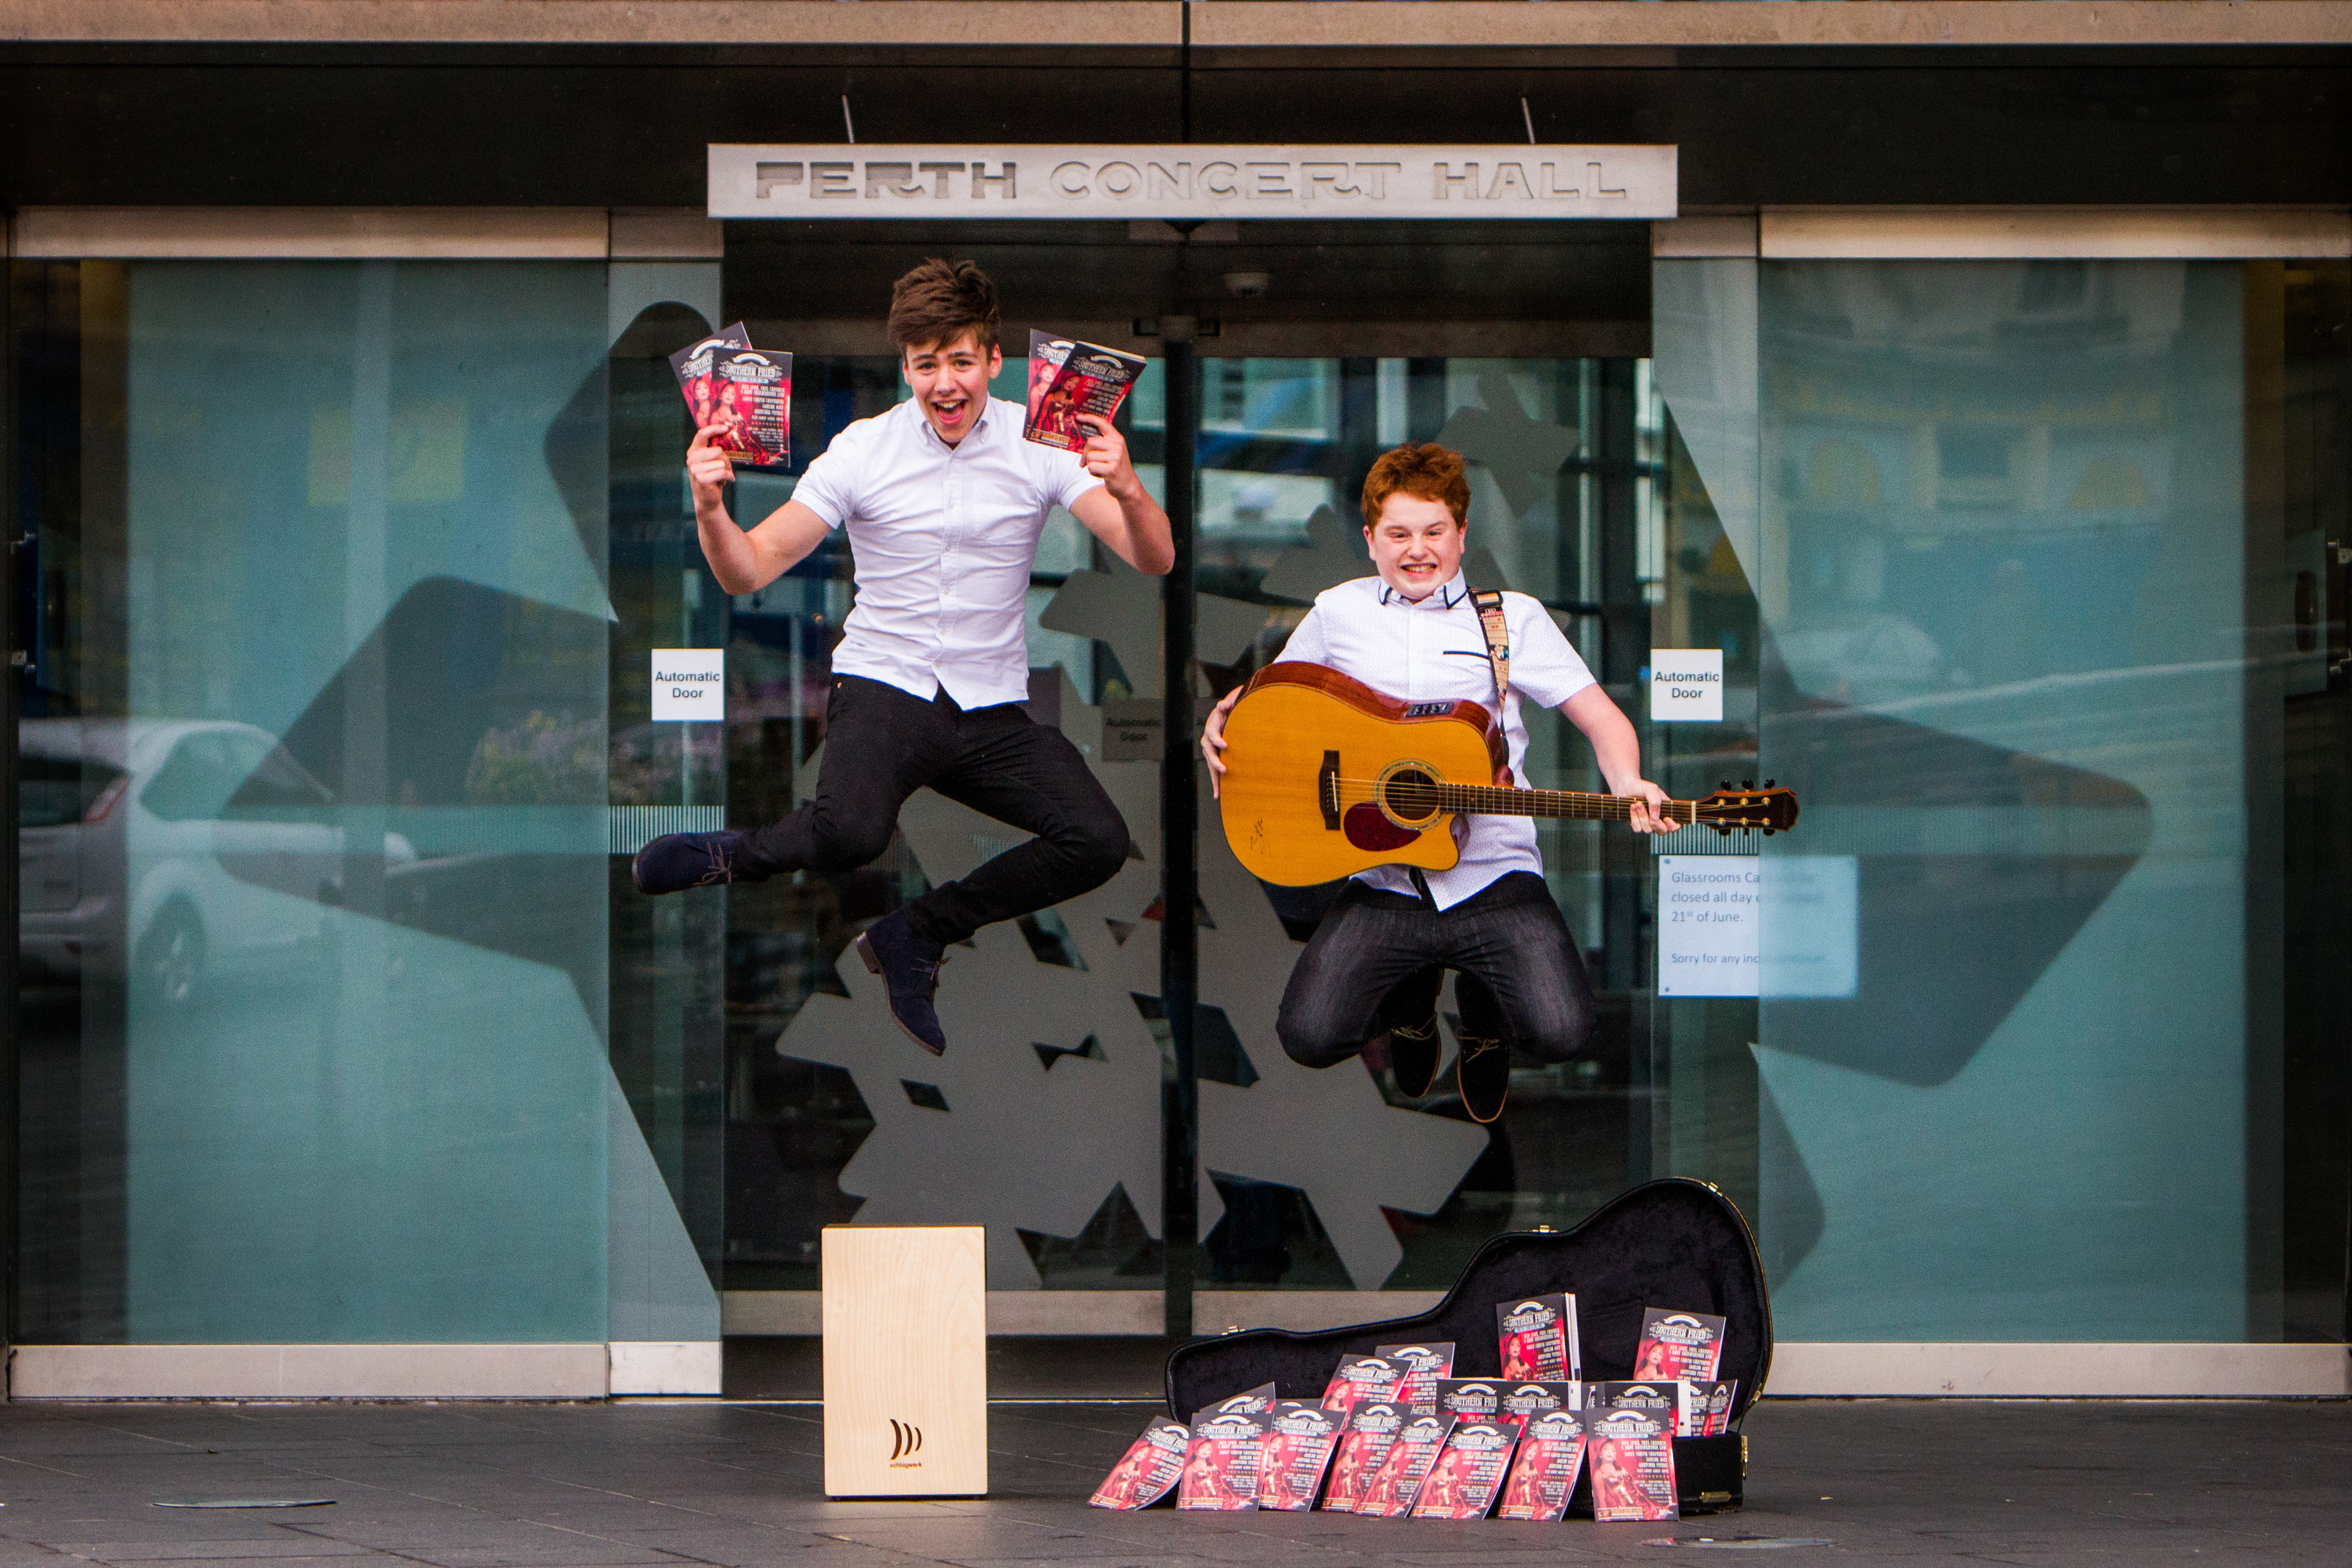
pixel 742 395
pixel 1068 380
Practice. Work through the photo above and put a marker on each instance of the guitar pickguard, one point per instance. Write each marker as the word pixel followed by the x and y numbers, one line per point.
pixel 1368 829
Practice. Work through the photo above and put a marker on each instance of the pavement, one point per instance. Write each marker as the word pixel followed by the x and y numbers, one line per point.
pixel 737 1485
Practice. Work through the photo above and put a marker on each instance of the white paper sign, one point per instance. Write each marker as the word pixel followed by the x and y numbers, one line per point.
pixel 1810 941
pixel 1687 684
pixel 1708 925
pixel 689 684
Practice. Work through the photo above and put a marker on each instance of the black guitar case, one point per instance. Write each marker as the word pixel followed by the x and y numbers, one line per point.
pixel 1673 1243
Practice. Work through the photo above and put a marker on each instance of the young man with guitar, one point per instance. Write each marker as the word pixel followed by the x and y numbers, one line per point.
pixel 943 502
pixel 1418 634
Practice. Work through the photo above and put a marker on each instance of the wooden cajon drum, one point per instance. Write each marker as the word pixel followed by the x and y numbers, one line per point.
pixel 906 1361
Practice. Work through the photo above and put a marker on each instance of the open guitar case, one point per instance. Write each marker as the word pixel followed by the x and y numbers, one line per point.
pixel 1674 1243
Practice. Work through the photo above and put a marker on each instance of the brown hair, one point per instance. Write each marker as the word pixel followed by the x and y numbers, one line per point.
pixel 939 302
pixel 1426 471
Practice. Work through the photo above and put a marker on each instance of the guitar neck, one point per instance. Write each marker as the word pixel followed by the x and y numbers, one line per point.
pixel 1494 801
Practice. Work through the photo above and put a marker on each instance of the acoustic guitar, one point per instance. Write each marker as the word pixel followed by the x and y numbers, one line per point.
pixel 1325 778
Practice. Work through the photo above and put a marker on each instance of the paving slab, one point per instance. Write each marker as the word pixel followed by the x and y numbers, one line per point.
pixel 740 1486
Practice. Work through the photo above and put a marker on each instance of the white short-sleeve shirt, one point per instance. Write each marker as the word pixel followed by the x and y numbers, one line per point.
pixel 1435 651
pixel 943 538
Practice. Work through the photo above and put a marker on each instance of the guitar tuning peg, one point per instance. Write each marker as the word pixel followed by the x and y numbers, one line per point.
pixel 1725 785
pixel 1769 782
pixel 1748 783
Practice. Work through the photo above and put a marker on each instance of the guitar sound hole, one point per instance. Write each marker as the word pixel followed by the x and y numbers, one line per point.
pixel 1411 795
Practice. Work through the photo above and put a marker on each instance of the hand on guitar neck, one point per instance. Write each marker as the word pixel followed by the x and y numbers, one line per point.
pixel 1614 746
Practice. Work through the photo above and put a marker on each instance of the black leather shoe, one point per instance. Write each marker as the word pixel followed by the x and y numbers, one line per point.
pixel 909 967
pixel 1483 1071
pixel 675 861
pixel 1414 1051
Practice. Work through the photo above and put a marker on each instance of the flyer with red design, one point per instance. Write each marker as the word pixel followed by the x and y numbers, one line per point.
pixel 755 402
pixel 1150 1470
pixel 1398 1480
pixel 1471 1398
pixel 1090 380
pixel 1629 1438
pixel 1529 1400
pixel 692 365
pixel 1706 1409
pixel 1678 1344
pixel 1543 1470
pixel 1424 1365
pixel 726 382
pixel 1221 1462
pixel 1297 1452
pixel 1538 1335
pixel 1362 1377
pixel 1469 1470
pixel 1047 353
pixel 1372 1428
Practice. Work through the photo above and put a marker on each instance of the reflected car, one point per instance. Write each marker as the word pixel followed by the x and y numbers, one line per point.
pixel 169 852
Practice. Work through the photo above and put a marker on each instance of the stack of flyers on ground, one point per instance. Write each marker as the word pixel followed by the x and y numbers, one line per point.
pixel 1678 1344
pixel 1424 1365
pixel 1538 1337
pixel 1221 1462
pixel 1362 1377
pixel 1706 1409
pixel 1149 1471
pixel 1629 1431
pixel 746 391
pixel 1296 1453
pixel 1398 1480
pixel 1083 379
pixel 1469 1470
pixel 1543 1471
pixel 1372 1428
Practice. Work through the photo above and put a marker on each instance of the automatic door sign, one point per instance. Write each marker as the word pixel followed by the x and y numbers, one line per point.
pixel 689 684
pixel 1687 686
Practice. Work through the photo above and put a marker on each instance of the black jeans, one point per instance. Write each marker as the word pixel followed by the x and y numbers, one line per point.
pixel 881 744
pixel 1379 958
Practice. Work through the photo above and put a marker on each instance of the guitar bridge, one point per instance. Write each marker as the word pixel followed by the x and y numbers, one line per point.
pixel 1327 791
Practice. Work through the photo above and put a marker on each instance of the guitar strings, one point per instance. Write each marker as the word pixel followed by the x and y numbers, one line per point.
pixel 1540 803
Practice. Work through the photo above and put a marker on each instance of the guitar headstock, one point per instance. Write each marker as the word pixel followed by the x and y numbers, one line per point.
pixel 1771 810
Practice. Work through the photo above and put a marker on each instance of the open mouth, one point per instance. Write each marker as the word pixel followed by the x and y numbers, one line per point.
pixel 950 410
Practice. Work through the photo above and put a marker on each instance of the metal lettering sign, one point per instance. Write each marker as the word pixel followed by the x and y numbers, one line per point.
pixel 1180 183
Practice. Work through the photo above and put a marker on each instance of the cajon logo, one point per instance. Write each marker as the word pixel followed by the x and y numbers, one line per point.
pixel 905 1440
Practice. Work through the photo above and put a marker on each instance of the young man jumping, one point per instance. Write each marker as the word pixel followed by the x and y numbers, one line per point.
pixel 944 503
pixel 1377 959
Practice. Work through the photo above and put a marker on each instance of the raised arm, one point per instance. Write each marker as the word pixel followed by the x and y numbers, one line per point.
pixel 1122 513
pixel 744 560
pixel 1619 751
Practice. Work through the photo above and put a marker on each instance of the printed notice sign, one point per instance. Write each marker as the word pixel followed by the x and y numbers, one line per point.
pixel 1686 684
pixel 689 684
pixel 1812 948
pixel 1709 924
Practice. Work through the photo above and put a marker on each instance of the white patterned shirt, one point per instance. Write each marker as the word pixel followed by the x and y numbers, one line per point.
pixel 943 538
pixel 1435 651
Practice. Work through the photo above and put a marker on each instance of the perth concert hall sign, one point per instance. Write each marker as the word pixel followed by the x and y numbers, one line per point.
pixel 1182 182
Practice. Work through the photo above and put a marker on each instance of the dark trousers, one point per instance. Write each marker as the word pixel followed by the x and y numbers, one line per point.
pixel 881 744
pixel 1377 959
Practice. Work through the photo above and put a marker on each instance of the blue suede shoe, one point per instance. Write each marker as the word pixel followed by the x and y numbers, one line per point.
pixel 675 861
pixel 911 967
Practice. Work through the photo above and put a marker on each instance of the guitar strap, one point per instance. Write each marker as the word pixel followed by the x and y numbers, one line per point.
pixel 1489 604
